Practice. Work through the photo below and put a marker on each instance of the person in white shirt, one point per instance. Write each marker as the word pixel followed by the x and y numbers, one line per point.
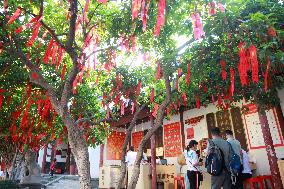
pixel 193 164
pixel 130 156
pixel 246 173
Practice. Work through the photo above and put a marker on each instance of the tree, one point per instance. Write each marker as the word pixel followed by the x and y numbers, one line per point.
pixel 98 35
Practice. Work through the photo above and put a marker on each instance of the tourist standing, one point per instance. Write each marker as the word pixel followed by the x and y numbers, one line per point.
pixel 246 172
pixel 193 172
pixel 236 145
pixel 223 179
pixel 52 167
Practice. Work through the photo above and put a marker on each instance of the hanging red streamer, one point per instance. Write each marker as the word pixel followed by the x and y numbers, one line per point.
pixel 158 73
pixel 86 10
pixel 122 108
pixel 63 72
pixel 144 13
pixel 102 1
pixel 152 95
pixel 254 63
pixel 60 56
pixel 5 6
pixel 160 17
pixel 48 51
pixel 271 31
pixel 132 107
pixel 223 72
pixel 197 101
pixel 1 100
pixel 244 65
pixel 16 15
pixel 197 25
pixel 136 4
pixel 211 8
pixel 155 109
pixel 34 35
pixel 23 27
pixel 232 80
pixel 138 88
pixel 266 74
pixel 54 53
pixel 187 78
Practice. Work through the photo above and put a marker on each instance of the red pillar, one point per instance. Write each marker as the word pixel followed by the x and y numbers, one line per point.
pixel 270 150
pixel 102 146
pixel 44 160
pixel 153 156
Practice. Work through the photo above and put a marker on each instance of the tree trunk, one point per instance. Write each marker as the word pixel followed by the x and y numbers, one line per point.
pixel 270 150
pixel 159 122
pixel 31 169
pixel 43 164
pixel 13 166
pixel 124 147
pixel 68 160
pixel 153 157
pixel 79 149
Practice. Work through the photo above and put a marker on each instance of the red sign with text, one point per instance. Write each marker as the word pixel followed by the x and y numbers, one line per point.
pixel 172 140
pixel 114 145
pixel 136 139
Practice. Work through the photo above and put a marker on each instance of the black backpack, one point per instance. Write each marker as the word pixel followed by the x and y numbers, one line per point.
pixel 214 160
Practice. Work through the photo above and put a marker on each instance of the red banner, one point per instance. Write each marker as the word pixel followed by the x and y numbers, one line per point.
pixel 114 145
pixel 172 140
pixel 136 139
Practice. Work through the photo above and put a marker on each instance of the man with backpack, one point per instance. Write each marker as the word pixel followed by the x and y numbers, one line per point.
pixel 219 154
pixel 236 146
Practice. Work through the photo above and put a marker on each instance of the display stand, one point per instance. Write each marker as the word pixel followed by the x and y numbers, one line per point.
pixel 109 176
pixel 144 180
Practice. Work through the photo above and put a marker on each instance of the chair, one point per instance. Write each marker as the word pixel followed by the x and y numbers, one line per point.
pixel 179 179
pixel 253 182
pixel 268 178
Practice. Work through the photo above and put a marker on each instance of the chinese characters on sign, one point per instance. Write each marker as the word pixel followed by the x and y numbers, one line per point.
pixel 114 145
pixel 136 139
pixel 172 140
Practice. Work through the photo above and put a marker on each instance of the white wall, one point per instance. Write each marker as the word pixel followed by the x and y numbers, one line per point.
pixel 94 154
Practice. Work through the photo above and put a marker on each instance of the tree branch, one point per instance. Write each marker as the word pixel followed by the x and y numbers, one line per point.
pixel 87 120
pixel 72 26
pixel 39 80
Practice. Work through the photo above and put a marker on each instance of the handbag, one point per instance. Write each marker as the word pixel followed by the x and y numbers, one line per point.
pixel 181 160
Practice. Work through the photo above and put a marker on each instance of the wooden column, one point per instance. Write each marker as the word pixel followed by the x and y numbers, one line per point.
pixel 153 156
pixel 270 150
pixel 44 159
pixel 102 146
pixel 182 127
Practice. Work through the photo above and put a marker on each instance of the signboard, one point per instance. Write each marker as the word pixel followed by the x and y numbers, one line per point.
pixel 114 145
pixel 254 131
pixel 136 139
pixel 172 140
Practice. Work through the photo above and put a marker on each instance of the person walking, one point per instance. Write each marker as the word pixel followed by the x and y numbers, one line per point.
pixel 193 172
pixel 52 167
pixel 223 179
pixel 246 172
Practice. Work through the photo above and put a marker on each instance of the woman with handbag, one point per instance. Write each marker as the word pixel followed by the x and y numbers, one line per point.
pixel 193 172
